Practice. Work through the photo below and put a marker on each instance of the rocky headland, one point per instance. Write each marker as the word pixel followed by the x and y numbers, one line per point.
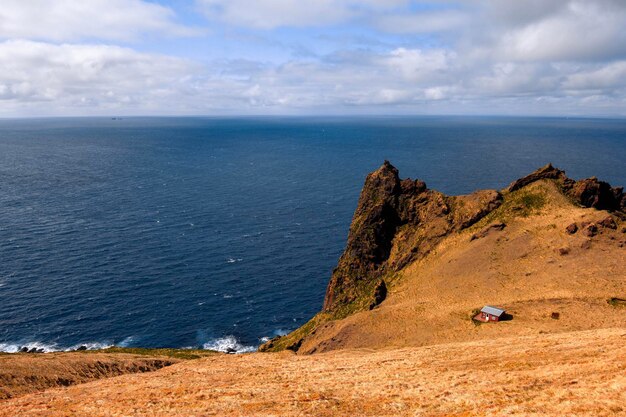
pixel 400 222
pixel 396 334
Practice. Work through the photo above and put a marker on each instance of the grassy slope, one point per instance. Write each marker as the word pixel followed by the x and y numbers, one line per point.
pixel 518 268
pixel 23 373
pixel 579 373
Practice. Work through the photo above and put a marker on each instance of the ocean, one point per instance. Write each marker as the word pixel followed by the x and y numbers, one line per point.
pixel 222 232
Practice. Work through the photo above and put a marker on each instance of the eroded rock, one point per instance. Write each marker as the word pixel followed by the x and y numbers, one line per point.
pixel 563 251
pixel 380 293
pixel 397 222
pixel 608 223
pixel 591 230
pixel 543 173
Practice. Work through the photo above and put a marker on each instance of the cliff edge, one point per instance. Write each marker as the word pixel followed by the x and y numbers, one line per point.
pixel 399 223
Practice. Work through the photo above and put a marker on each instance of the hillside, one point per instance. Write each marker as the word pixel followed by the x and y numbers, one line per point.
pixel 580 373
pixel 418 263
pixel 24 373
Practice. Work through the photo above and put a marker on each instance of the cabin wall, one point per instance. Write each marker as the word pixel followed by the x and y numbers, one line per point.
pixel 483 317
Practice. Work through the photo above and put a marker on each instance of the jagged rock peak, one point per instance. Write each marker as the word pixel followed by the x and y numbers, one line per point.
pixel 396 222
pixel 545 172
pixel 381 184
pixel 589 192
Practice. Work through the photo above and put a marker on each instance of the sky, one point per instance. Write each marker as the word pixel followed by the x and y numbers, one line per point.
pixel 312 57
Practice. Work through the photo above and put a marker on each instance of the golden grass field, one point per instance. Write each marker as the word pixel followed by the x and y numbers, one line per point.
pixel 577 373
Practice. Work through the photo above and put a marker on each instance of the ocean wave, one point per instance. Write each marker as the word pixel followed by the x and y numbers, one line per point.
pixel 41 347
pixel 233 260
pixel 228 344
pixel 275 333
pixel 30 347
pixel 90 346
pixel 127 342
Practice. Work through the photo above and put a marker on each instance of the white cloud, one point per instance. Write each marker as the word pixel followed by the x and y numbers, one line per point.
pixel 420 65
pixel 579 31
pixel 529 56
pixel 604 77
pixel 53 77
pixel 71 20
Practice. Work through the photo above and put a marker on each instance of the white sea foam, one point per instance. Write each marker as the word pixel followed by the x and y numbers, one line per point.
pixel 37 346
pixel 277 332
pixel 41 347
pixel 90 346
pixel 126 342
pixel 281 332
pixel 228 344
pixel 233 260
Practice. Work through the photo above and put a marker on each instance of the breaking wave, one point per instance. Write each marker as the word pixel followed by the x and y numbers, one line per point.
pixel 228 344
pixel 40 347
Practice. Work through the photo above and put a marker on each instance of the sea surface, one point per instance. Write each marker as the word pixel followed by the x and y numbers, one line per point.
pixel 218 233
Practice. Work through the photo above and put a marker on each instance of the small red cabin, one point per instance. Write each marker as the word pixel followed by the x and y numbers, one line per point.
pixel 489 313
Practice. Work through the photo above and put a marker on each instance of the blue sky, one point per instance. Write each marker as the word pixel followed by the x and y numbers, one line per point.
pixel 230 57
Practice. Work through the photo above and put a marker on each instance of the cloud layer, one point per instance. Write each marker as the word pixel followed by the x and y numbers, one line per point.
pixel 71 20
pixel 297 57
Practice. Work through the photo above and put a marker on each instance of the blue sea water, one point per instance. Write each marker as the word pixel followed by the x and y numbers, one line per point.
pixel 205 232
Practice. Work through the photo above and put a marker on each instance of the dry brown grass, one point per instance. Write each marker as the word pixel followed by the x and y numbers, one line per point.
pixel 575 374
pixel 26 373
pixel 518 268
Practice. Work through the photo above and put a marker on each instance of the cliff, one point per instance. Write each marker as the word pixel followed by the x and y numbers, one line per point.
pixel 398 223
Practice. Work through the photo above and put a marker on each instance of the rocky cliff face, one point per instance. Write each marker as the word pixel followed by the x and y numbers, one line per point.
pixel 398 222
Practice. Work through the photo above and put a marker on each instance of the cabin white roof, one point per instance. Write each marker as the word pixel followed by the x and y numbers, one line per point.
pixel 494 311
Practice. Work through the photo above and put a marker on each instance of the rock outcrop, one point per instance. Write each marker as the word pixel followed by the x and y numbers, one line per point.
pixel 543 173
pixel 400 221
pixel 589 192
pixel 397 222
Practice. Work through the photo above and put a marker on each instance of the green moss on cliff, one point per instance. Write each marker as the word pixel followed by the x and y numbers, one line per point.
pixel 184 354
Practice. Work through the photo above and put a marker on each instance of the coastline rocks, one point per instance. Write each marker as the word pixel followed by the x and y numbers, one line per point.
pixel 26 349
